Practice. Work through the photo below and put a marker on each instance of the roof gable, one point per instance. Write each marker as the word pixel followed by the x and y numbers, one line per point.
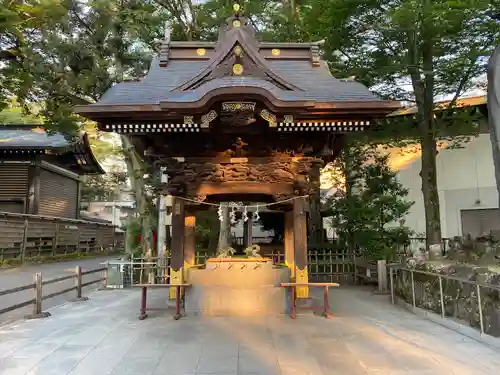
pixel 237 54
pixel 74 153
pixel 160 84
pixel 189 77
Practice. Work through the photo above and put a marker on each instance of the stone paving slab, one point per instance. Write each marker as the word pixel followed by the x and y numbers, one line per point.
pixel 367 336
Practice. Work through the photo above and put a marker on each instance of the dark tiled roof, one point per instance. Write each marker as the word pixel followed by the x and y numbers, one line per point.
pixel 316 82
pixel 26 136
pixel 69 149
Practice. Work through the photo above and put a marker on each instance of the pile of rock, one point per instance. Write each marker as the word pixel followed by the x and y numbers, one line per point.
pixel 467 260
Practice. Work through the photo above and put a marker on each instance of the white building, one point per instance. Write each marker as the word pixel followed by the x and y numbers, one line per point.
pixel 468 194
pixel 466 183
pixel 115 212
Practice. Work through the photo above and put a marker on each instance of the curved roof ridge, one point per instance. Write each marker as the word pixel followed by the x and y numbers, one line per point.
pixel 229 39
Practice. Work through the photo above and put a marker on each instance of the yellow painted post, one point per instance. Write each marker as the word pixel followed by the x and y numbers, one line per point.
pixel 189 243
pixel 300 246
pixel 177 250
pixel 289 247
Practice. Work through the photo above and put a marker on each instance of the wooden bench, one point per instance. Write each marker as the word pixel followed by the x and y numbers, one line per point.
pixel 293 298
pixel 144 292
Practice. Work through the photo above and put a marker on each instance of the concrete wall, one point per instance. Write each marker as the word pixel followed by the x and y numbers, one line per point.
pixel 114 212
pixel 466 180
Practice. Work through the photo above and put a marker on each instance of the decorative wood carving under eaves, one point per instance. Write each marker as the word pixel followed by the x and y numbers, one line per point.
pixel 269 117
pixel 238 113
pixel 206 119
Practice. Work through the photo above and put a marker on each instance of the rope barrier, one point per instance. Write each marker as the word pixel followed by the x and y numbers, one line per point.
pixel 234 204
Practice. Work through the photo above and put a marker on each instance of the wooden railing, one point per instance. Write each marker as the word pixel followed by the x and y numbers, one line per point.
pixel 37 288
pixel 25 237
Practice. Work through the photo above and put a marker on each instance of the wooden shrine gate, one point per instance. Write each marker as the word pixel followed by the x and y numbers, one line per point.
pixel 239 120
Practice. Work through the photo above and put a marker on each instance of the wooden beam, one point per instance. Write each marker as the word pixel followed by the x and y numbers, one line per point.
pixel 30 203
pixel 247 232
pixel 177 261
pixel 36 189
pixel 241 187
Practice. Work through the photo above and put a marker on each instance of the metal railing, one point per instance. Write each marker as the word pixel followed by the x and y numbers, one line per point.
pixel 155 270
pixel 39 283
pixel 476 298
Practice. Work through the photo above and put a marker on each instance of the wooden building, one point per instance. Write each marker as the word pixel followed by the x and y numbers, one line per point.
pixel 40 173
pixel 238 121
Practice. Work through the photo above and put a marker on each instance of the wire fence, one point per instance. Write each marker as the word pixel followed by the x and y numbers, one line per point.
pixel 470 302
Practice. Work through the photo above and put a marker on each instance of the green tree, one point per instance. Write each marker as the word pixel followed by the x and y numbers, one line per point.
pixel 60 54
pixel 411 50
pixel 13 114
pixel 103 187
pixel 366 216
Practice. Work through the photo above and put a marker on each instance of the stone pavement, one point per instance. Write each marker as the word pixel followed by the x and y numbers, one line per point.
pixel 367 336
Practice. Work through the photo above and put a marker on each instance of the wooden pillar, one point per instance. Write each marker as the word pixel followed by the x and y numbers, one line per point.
pixel 289 245
pixel 300 245
pixel 79 198
pixel 177 250
pixel 189 240
pixel 247 232
pixel 33 192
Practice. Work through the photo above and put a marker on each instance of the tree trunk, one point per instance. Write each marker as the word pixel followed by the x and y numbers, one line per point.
pixel 430 190
pixel 129 236
pixel 225 229
pixel 315 222
pixel 495 148
pixel 349 185
pixel 493 120
pixel 421 53
pixel 135 169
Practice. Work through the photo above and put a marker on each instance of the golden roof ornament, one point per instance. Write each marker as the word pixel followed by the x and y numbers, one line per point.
pixel 238 51
pixel 237 69
pixel 236 8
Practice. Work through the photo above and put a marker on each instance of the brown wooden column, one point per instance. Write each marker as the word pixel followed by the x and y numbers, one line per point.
pixel 189 240
pixel 247 232
pixel 300 245
pixel 33 192
pixel 289 245
pixel 177 250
